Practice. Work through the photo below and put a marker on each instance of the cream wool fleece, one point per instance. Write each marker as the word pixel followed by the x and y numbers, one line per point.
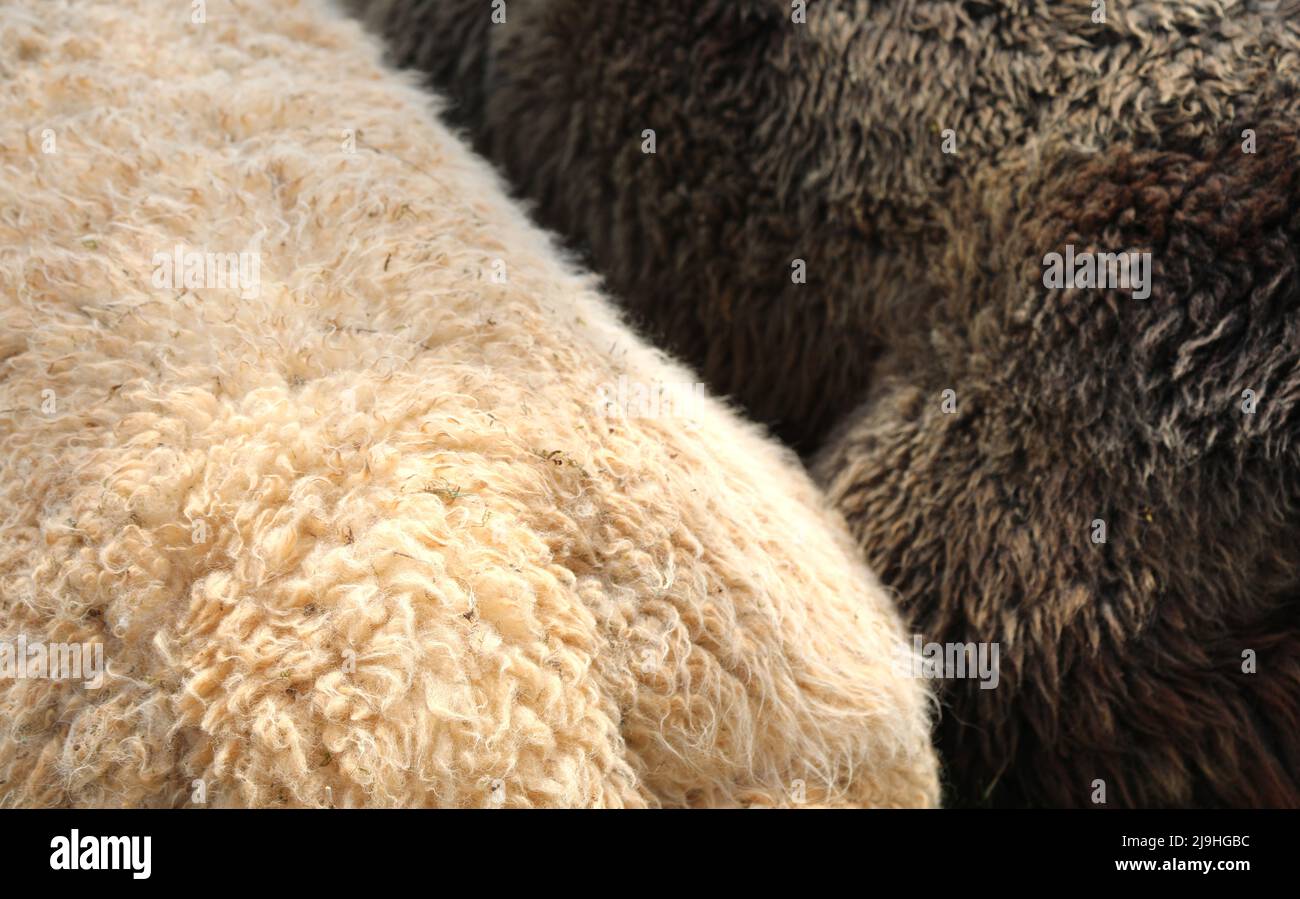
pixel 359 536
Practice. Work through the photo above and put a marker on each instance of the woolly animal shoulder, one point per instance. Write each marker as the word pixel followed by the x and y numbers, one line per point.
pixel 341 487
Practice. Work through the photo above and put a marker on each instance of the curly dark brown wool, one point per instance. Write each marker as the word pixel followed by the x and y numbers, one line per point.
pixel 823 141
pixel 1121 661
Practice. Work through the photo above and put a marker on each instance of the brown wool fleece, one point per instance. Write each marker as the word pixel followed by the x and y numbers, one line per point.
pixel 824 141
pixel 1123 660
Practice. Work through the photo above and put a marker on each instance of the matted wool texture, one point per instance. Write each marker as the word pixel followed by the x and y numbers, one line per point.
pixel 353 531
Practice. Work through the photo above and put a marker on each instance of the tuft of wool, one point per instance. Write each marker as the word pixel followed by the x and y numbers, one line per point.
pixel 825 141
pixel 356 533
